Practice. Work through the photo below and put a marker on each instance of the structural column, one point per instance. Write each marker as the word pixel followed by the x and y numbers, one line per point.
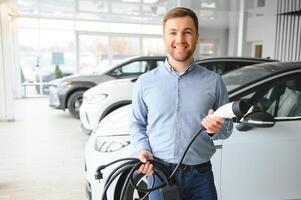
pixel 6 66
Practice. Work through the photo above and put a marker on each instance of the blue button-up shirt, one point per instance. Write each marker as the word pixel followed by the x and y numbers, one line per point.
pixel 167 109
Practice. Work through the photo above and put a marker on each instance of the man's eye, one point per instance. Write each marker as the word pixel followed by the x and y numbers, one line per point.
pixel 187 33
pixel 172 33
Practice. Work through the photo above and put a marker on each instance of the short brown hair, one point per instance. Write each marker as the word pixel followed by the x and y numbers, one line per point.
pixel 181 12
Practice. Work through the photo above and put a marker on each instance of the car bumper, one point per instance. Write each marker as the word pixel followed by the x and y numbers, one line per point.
pixel 57 98
pixel 93 160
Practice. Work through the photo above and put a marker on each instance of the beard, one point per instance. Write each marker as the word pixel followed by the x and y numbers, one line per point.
pixel 181 56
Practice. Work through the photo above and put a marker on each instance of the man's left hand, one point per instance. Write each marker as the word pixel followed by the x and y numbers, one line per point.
pixel 212 123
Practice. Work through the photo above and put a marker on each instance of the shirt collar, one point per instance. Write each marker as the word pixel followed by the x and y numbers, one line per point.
pixel 171 69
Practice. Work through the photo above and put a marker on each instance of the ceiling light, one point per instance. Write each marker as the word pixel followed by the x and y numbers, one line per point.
pixel 207 4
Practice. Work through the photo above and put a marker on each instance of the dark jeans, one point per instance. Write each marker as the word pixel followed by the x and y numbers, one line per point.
pixel 194 184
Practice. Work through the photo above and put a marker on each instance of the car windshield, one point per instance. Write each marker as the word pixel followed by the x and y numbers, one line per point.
pixel 103 69
pixel 105 66
pixel 237 78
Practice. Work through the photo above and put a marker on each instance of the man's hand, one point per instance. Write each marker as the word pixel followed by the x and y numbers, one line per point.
pixel 212 123
pixel 144 156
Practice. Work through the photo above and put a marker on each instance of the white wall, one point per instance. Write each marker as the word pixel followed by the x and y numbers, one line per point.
pixel 262 28
pixel 218 35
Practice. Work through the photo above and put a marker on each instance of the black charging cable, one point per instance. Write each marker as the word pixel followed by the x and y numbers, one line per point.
pixel 133 164
pixel 239 108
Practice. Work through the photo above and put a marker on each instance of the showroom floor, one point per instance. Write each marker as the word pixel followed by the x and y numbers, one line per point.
pixel 41 154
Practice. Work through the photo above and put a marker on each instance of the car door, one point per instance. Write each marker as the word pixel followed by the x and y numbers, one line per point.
pixel 132 69
pixel 264 163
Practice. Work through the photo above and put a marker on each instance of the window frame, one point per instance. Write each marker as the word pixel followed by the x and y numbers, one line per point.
pixel 269 83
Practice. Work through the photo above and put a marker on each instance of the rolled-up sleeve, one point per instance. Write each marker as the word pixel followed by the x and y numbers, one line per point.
pixel 138 124
pixel 222 99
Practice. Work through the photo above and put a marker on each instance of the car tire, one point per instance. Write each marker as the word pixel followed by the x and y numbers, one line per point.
pixel 74 102
pixel 129 191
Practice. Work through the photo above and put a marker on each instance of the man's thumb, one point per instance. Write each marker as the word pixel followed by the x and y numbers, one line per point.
pixel 210 112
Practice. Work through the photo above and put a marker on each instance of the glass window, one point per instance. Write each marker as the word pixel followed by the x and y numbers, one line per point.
pixel 133 68
pixel 52 43
pixel 158 63
pixel 217 67
pixel 27 22
pixel 282 98
pixel 154 10
pixel 207 49
pixel 93 52
pixel 27 6
pixel 62 7
pixel 56 24
pixel 153 46
pixel 28 40
pixel 124 47
pixel 126 9
pixel 236 78
pixel 224 66
pixel 124 28
pixel 93 6
pixel 152 29
pixel 91 26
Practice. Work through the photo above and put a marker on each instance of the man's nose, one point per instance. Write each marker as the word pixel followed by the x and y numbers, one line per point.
pixel 179 38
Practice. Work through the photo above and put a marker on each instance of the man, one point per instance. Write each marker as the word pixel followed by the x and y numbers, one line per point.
pixel 171 102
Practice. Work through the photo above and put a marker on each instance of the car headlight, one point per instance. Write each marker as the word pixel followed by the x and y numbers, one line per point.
pixel 96 98
pixel 103 145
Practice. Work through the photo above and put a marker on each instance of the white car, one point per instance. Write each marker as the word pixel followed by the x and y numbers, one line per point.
pixel 102 99
pixel 261 158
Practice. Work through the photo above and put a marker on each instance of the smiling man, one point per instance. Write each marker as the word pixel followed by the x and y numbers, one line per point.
pixel 171 102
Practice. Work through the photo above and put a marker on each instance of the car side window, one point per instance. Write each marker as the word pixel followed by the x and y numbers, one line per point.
pixel 217 67
pixel 159 63
pixel 282 99
pixel 288 104
pixel 133 68
pixel 235 65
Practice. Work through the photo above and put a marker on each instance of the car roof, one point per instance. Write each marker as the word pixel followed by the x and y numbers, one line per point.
pixel 236 59
pixel 275 67
pixel 145 57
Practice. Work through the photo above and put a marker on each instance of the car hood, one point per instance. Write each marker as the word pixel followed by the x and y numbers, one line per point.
pixel 109 127
pixel 109 85
pixel 95 78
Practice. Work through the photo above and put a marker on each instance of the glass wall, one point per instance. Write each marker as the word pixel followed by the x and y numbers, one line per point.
pixel 84 36
pixel 93 52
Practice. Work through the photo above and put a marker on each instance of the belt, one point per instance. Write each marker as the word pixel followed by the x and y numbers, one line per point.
pixel 184 167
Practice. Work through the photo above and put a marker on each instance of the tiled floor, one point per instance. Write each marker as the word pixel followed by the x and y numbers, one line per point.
pixel 41 154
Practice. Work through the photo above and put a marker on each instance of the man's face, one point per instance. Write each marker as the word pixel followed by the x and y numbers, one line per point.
pixel 180 38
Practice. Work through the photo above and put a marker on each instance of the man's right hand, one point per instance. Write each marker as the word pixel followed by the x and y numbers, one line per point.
pixel 144 156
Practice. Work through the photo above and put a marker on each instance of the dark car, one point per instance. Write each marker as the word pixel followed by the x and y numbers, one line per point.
pixel 68 92
pixel 222 65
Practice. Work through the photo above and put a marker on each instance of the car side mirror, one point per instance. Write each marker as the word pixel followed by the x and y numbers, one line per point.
pixel 256 119
pixel 117 72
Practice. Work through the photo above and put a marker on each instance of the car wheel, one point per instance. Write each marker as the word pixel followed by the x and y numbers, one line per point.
pixel 131 193
pixel 74 102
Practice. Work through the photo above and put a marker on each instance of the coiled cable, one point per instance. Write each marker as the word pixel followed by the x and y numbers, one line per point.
pixel 133 164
